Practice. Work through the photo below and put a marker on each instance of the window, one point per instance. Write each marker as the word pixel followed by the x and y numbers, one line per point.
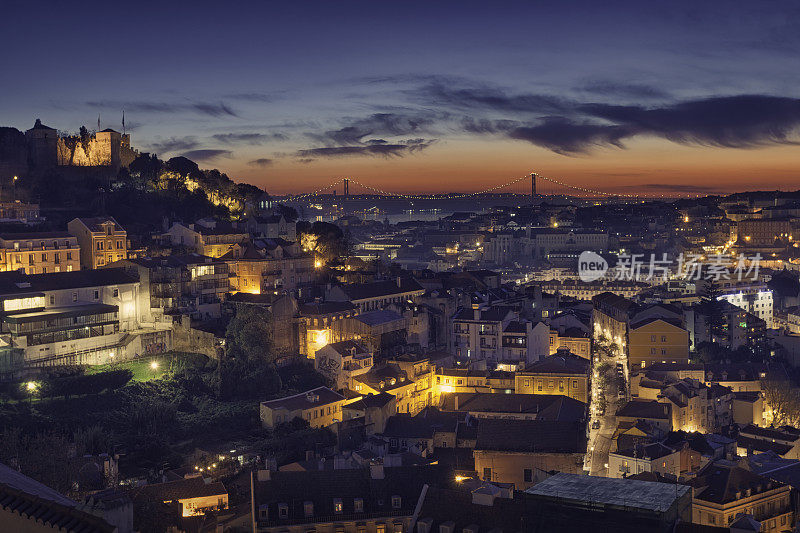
pixel 74 296
pixel 574 383
pixel 99 245
pixel 283 510
pixel 487 474
pixel 263 512
pixel 44 257
pixel 116 293
pixel 358 505
pixel 52 300
pixel 527 383
pixel 337 506
pixel 69 256
pixel 308 509
pixel 96 295
pixel 663 338
pixel 527 475
pixel 652 338
pixel 396 502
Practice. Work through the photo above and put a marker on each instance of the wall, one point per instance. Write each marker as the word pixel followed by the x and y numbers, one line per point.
pixel 509 467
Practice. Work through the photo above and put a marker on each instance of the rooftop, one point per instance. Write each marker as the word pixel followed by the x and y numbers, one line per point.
pixel 649 495
pixel 535 436
pixel 305 400
pixel 17 282
pixel 544 406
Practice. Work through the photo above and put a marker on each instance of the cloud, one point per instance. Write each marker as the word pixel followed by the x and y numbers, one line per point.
pixel 248 138
pixel 489 98
pixel 206 154
pixel 637 91
pixel 378 148
pixel 564 136
pixel 213 109
pixel 173 144
pixel 261 162
pixel 743 121
pixel 377 124
pixel 569 127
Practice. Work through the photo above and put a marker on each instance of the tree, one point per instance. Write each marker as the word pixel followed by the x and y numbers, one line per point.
pixel 249 334
pixel 326 240
pixel 781 402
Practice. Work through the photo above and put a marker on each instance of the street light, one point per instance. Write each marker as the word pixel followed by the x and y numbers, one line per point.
pixel 154 365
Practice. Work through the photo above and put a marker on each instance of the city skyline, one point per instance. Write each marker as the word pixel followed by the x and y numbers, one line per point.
pixel 677 100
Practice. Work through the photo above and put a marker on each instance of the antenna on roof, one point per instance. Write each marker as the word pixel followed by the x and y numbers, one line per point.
pixel 123 122
pixel 98 122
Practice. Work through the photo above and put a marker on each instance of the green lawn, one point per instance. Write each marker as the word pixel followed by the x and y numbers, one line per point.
pixel 142 367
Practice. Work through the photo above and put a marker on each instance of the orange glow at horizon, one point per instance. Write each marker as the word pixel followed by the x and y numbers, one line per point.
pixel 468 165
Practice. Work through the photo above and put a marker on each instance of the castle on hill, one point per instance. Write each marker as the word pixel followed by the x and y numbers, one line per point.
pixel 107 148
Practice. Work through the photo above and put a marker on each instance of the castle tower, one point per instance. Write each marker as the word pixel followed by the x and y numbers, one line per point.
pixel 107 146
pixel 42 145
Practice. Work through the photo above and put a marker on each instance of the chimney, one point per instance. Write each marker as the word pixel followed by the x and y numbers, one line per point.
pixel 376 471
pixel 399 282
pixel 476 312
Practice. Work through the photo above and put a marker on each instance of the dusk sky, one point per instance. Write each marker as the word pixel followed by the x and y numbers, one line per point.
pixel 665 97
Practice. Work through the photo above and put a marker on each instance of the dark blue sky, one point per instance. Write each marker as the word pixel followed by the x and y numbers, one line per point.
pixel 301 91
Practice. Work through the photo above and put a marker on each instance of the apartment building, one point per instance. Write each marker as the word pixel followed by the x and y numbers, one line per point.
pixel 583 290
pixel 342 361
pixel 723 490
pixel 562 374
pixel 646 457
pixel 657 340
pixel 193 284
pixel 80 317
pixel 753 232
pixel 269 265
pixel 101 239
pixel 39 253
pixel 377 294
pixel 320 407
pixel 210 237
pixel 495 335
pixel 755 298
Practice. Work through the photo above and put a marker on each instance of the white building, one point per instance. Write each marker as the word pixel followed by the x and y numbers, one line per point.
pixel 79 317
pixel 755 298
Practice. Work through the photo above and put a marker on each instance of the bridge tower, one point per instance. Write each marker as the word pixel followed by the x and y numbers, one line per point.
pixel 346 187
pixel 533 186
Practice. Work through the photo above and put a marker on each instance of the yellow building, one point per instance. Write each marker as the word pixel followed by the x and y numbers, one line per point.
pixel 320 407
pixel 39 253
pixel 657 340
pixel 572 341
pixel 564 374
pixel 722 491
pixel 101 239
pixel 409 382
pixel 195 496
pixel 467 380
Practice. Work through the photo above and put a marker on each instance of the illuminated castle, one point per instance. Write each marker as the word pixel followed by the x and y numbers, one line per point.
pixel 107 148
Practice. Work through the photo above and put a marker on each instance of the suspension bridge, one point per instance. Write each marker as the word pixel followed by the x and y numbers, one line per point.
pixel 534 186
